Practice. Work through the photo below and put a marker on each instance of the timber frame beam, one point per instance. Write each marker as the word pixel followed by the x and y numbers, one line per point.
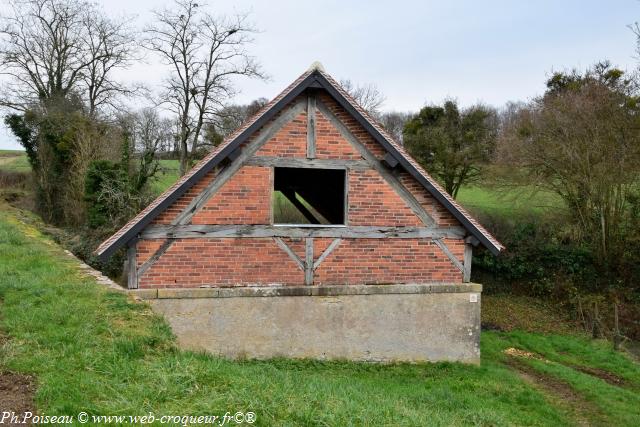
pixel 343 232
pixel 311 126
pixel 132 266
pixel 249 150
pixel 295 162
pixel 308 265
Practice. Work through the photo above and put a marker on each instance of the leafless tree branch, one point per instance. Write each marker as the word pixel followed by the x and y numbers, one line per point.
pixel 204 53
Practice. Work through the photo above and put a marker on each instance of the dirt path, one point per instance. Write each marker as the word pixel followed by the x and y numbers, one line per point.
pixel 16 393
pixel 559 393
pixel 16 390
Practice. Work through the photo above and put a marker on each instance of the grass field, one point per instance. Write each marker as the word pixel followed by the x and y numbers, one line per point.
pixel 168 173
pixel 97 351
pixel 14 161
pixel 507 202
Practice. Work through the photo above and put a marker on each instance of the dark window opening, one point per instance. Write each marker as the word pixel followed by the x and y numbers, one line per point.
pixel 308 196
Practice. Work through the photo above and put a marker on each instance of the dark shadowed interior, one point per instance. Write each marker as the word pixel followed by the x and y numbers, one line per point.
pixel 318 195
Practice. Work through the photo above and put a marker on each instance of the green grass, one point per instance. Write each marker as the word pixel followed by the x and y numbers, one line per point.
pixel 507 202
pixel 95 350
pixel 167 175
pixel 14 161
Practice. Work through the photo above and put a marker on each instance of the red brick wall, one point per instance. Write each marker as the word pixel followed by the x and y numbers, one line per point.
pixel 330 144
pixel 373 202
pixel 376 261
pixel 290 141
pixel 222 262
pixel 246 199
pixel 354 127
pixel 241 262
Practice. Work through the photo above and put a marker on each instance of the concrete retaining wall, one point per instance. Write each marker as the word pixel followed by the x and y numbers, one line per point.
pixel 430 322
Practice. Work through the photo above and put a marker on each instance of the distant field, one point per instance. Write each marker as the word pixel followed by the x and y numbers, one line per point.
pixel 495 201
pixel 14 161
pixel 169 173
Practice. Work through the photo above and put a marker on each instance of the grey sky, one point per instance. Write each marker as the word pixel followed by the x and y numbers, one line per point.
pixel 419 52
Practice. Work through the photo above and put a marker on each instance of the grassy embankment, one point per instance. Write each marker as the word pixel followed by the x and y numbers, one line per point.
pixel 97 351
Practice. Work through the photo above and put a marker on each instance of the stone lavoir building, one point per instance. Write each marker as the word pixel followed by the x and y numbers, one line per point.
pixel 310 232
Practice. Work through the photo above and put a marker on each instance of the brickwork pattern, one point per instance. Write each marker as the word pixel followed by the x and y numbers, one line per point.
pixel 246 199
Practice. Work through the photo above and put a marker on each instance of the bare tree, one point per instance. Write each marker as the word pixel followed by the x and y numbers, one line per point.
pixel 394 122
pixel 112 44
pixel 146 134
pixel 205 53
pixel 52 48
pixel 368 96
pixel 231 117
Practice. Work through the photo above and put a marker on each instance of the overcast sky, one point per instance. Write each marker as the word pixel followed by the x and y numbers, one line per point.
pixel 419 52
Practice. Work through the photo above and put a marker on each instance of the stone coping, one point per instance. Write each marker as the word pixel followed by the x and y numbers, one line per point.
pixel 294 291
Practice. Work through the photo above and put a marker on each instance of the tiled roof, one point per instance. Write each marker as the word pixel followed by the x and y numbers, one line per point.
pixel 127 232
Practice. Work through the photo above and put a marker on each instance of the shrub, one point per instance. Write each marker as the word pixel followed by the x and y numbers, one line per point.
pixel 104 184
pixel 540 258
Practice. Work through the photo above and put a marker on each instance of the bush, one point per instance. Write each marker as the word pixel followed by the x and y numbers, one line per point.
pixel 540 259
pixel 103 182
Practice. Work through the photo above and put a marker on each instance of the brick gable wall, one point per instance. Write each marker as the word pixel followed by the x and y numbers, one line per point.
pixel 246 199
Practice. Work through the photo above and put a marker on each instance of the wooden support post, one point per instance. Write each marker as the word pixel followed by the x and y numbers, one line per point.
pixel 157 254
pixel 294 162
pixel 132 265
pixel 235 154
pixel 311 127
pixel 298 232
pixel 326 253
pixel 442 245
pixel 291 196
pixel 308 262
pixel 289 252
pixel 468 257
pixel 391 161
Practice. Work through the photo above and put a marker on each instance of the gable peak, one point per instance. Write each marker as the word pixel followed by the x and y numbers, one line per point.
pixel 316 66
